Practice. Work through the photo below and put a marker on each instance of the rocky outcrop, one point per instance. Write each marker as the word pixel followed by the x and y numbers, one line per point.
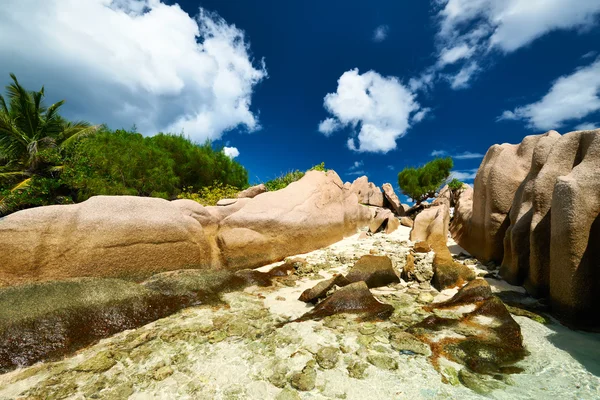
pixel 549 240
pixel 367 192
pixel 134 237
pixel 375 271
pixel 393 200
pixel 481 231
pixel 311 213
pixel 252 191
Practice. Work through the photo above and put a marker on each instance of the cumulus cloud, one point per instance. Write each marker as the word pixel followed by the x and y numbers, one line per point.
pixel 379 108
pixel 587 127
pixel 464 175
pixel 380 33
pixel 571 97
pixel 356 168
pixel 472 28
pixel 231 152
pixel 134 61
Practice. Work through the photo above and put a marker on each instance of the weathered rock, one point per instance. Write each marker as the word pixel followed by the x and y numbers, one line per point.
pixel 380 220
pixel 367 192
pixel 393 224
pixel 382 361
pixel 405 342
pixel 320 290
pixel 305 379
pixel 105 236
pixel 547 242
pixel 447 273
pixel 308 214
pixel 352 299
pixel 226 202
pixel 357 369
pixel 472 292
pixel 485 340
pixel 375 271
pixel 481 230
pixel 422 247
pixel 431 226
pixel 406 221
pixel 252 191
pixel 327 357
pixel 393 200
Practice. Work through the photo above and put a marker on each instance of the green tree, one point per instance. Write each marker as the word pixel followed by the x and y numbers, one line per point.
pixel 423 182
pixel 32 137
pixel 455 185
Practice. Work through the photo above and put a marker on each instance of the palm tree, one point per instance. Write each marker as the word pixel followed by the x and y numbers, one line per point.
pixel 29 131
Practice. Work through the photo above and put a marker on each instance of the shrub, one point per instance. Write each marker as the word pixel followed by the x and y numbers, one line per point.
pixel 455 184
pixel 423 182
pixel 210 195
pixel 285 179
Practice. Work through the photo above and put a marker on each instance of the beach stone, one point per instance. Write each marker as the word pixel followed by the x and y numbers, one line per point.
pixel 320 290
pixel 354 298
pixel 382 215
pixel 382 361
pixel 406 221
pixel 367 192
pixel 393 224
pixel 163 373
pixel 100 362
pixel 404 341
pixel 422 247
pixel 288 394
pixel 327 357
pixel 375 271
pixel 478 383
pixel 305 379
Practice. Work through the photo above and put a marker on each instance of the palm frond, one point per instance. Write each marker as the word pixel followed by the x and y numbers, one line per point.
pixel 21 185
pixel 78 130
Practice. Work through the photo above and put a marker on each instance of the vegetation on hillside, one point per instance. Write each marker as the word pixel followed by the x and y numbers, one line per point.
pixel 455 185
pixel 46 159
pixel 423 182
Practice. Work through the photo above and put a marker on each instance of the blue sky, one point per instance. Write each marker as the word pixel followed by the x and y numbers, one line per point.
pixel 363 86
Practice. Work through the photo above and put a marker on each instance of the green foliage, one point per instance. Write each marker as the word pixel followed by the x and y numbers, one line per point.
pixel 285 179
pixel 210 195
pixel 455 184
pixel 45 159
pixel 423 182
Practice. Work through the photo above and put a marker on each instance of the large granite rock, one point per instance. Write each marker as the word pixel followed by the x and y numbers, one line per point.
pixel 481 230
pixel 311 213
pixel 105 236
pixel 134 237
pixel 549 240
pixel 367 192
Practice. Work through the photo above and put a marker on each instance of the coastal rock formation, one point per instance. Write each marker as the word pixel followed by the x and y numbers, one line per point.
pixel 481 231
pixel 308 214
pixel 134 237
pixel 252 191
pixel 549 240
pixel 375 271
pixel 367 192
pixel 393 200
pixel 108 236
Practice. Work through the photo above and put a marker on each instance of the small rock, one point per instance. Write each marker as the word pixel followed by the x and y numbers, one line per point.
pixel 367 329
pixel 280 298
pixel 288 394
pixel 404 341
pixel 382 361
pixel 305 379
pixel 357 369
pixel 422 247
pixel 327 357
pixel 425 298
pixel 102 361
pixel 478 383
pixel 162 373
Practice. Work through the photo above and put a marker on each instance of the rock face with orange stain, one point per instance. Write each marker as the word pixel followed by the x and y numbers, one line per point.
pixel 474 329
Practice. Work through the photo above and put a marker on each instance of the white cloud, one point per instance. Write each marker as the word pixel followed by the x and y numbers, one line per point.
pixel 467 155
pixel 464 175
pixel 419 115
pixel 587 127
pixel 380 108
pixel 133 61
pixel 589 54
pixel 356 168
pixel 451 55
pixel 231 152
pixel 571 97
pixel 328 126
pixel 438 153
pixel 472 28
pixel 461 80
pixel 380 33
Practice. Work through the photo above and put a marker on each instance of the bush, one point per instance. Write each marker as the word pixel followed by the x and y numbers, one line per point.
pixel 210 195
pixel 285 179
pixel 423 182
pixel 455 185
pixel 39 191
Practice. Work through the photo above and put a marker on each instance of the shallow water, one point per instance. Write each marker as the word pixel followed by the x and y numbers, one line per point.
pixel 235 352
